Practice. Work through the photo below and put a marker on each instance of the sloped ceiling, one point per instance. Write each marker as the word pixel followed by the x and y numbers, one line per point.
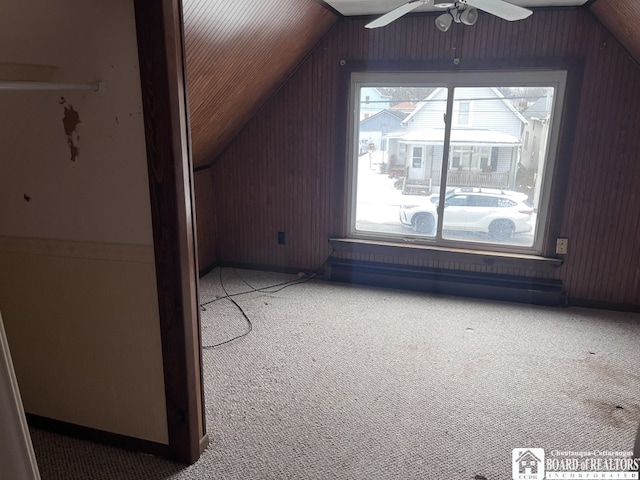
pixel 622 19
pixel 237 53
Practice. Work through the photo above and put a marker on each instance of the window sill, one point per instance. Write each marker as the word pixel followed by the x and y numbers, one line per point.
pixel 457 255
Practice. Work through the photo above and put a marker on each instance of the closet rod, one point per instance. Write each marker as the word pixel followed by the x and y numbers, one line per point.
pixel 7 85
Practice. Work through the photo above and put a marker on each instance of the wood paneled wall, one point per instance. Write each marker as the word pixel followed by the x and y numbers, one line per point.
pixel 285 171
pixel 238 52
pixel 205 219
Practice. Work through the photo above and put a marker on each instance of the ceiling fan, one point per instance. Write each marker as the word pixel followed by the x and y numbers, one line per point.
pixel 461 11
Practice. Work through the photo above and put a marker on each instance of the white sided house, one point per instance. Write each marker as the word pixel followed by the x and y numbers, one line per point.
pixel 372 101
pixel 484 147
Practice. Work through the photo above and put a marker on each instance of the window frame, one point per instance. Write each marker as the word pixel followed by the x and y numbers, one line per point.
pixel 556 76
pixel 457 112
pixel 420 158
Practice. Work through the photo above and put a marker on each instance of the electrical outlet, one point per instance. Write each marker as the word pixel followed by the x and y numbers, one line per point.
pixel 561 246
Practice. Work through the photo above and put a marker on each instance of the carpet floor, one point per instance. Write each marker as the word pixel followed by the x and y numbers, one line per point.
pixel 338 381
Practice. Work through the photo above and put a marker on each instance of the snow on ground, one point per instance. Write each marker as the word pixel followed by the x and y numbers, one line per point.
pixel 377 200
pixel 378 204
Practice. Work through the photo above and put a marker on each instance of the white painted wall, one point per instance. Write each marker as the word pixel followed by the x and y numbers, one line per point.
pixel 102 196
pixel 16 452
pixel 77 275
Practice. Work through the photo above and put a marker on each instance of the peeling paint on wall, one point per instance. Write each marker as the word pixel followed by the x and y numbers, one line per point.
pixel 70 121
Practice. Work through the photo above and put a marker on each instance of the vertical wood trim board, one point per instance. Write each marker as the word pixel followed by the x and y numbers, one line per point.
pixel 161 72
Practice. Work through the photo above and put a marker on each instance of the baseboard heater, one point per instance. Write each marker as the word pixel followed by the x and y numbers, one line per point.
pixel 511 288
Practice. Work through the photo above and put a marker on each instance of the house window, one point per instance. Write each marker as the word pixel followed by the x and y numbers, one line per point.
pixel 456 183
pixel 462 113
pixel 463 157
pixel 486 163
pixel 417 157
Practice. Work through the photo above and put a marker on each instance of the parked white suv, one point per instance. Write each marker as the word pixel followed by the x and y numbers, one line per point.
pixel 499 213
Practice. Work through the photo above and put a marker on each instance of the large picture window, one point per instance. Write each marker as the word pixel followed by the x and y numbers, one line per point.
pixel 450 163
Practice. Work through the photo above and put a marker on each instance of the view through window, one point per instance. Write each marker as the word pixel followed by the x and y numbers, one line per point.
pixel 482 147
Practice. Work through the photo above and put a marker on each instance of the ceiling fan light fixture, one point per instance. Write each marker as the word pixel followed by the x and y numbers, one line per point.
pixel 444 21
pixel 469 16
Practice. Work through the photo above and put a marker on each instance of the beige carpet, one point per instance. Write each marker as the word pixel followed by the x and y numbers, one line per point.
pixel 350 382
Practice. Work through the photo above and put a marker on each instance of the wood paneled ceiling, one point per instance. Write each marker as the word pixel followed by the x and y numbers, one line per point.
pixel 622 19
pixel 238 52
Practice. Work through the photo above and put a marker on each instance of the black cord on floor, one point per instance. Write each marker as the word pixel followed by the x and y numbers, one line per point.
pixel 244 315
pixel 267 289
pixel 229 297
pixel 242 279
pixel 283 285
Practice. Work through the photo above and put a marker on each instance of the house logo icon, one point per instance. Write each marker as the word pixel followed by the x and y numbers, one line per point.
pixel 527 463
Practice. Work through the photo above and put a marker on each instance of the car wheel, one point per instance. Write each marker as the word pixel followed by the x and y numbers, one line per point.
pixel 501 229
pixel 424 223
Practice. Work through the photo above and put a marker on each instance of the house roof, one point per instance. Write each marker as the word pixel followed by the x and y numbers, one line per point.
pixel 386 112
pixel 406 106
pixel 493 89
pixel 377 90
pixel 539 109
pixel 459 136
pixel 421 104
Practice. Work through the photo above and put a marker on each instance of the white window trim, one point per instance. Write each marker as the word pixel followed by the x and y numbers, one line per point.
pixel 414 148
pixel 524 77
pixel 456 114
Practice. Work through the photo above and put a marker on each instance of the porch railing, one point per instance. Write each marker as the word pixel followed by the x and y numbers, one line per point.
pixel 462 178
pixel 458 178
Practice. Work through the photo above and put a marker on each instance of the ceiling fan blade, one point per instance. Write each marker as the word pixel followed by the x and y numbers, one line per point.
pixel 396 13
pixel 500 8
